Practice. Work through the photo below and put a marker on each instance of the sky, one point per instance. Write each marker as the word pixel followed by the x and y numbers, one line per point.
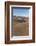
pixel 20 12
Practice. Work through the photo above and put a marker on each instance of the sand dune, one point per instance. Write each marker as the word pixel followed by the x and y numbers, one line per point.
pixel 21 28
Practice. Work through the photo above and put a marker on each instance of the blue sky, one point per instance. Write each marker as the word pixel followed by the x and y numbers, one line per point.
pixel 20 12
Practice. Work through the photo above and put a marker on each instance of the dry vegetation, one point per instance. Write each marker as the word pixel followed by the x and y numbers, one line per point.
pixel 21 27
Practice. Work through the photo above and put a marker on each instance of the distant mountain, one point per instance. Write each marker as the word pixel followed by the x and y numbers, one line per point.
pixel 20 19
